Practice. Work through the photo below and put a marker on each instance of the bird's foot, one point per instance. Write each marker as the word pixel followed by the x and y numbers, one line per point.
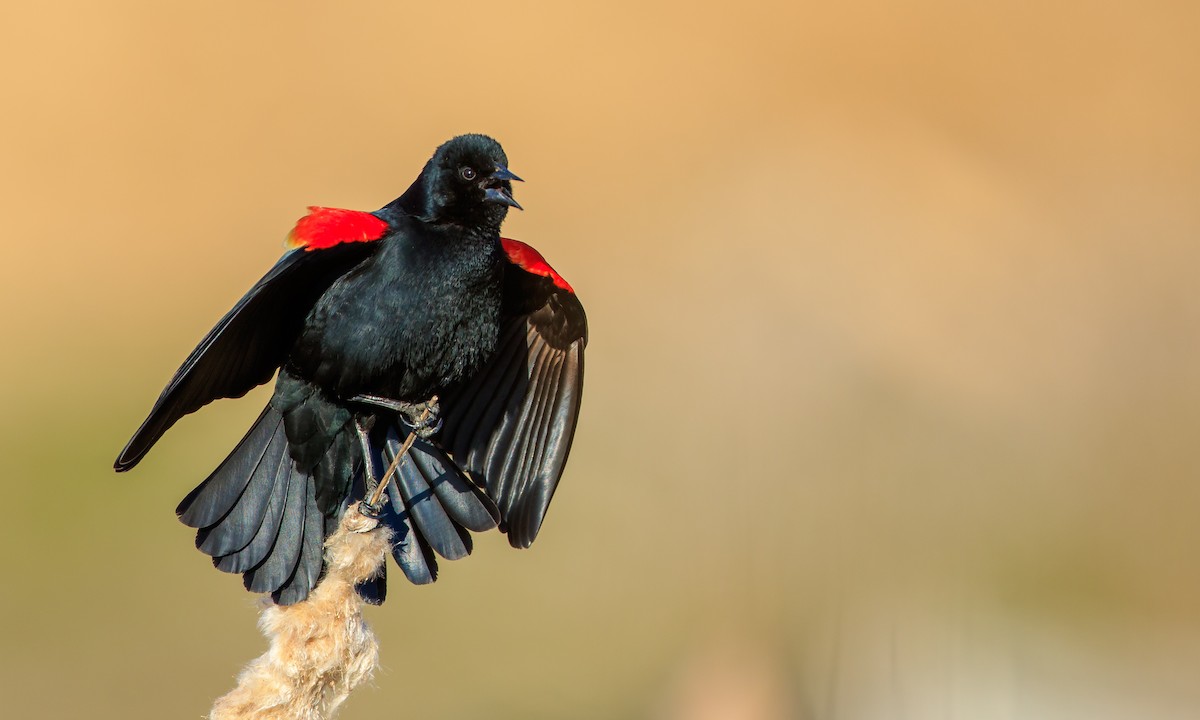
pixel 424 417
pixel 371 510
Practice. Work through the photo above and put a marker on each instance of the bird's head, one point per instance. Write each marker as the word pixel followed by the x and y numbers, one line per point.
pixel 466 182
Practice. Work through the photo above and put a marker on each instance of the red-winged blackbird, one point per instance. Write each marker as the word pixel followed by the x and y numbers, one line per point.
pixel 367 319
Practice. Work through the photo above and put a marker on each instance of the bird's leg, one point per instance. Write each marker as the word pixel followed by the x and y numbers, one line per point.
pixel 374 502
pixel 424 417
pixel 369 481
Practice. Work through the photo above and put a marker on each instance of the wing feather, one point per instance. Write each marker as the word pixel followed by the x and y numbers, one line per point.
pixel 495 398
pixel 249 343
pixel 511 425
pixel 516 460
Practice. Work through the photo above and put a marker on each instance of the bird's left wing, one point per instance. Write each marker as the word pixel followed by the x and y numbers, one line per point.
pixel 248 345
pixel 511 425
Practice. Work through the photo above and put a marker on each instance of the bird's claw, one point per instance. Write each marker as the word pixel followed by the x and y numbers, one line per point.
pixel 425 418
pixel 369 510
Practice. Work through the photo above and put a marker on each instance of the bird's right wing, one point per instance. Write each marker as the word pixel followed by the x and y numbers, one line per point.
pixel 249 344
pixel 511 425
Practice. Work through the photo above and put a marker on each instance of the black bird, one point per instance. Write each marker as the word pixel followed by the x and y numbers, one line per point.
pixel 416 318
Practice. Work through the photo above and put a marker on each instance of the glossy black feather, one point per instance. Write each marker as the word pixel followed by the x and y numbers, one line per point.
pixel 217 495
pixel 260 545
pixel 274 571
pixel 322 439
pixel 409 550
pixel 248 345
pixel 238 527
pixel 462 500
pixel 441 533
pixel 308 566
pixel 513 423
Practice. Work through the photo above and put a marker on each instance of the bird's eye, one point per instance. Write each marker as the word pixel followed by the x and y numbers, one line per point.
pixel 467 173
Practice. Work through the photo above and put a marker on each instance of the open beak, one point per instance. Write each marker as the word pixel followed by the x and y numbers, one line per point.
pixel 498 190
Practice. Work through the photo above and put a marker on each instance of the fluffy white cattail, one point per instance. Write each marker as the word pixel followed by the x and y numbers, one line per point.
pixel 321 648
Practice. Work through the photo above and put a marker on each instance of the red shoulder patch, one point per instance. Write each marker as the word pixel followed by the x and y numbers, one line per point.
pixel 325 227
pixel 531 261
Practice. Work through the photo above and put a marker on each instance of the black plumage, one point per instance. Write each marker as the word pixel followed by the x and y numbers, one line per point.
pixel 372 315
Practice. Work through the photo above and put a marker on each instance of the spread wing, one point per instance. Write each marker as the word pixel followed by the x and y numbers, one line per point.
pixel 511 425
pixel 249 344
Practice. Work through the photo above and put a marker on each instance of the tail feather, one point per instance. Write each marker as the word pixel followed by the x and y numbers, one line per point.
pixel 444 536
pixel 321 438
pixel 256 551
pixel 409 550
pixel 464 502
pixel 373 591
pixel 267 509
pixel 308 565
pixel 274 571
pixel 216 496
pixel 431 506
pixel 244 520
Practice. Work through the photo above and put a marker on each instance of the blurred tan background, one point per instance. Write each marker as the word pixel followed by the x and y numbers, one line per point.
pixel 893 398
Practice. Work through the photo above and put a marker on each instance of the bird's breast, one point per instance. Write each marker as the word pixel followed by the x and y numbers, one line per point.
pixel 409 325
